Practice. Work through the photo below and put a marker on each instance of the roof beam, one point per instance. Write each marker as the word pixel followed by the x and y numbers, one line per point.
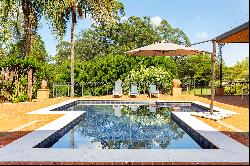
pixel 239 34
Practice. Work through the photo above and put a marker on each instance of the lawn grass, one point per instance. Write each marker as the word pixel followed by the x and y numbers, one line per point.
pixel 198 91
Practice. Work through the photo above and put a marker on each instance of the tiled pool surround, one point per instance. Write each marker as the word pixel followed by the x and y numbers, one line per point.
pixel 48 142
pixel 186 140
pixel 202 141
pixel 110 102
pixel 22 149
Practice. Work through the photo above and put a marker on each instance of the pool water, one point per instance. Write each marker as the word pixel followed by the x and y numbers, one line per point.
pixel 126 127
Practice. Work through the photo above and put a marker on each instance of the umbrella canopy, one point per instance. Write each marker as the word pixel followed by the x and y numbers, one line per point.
pixel 164 48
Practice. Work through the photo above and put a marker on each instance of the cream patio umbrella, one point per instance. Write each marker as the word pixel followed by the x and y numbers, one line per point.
pixel 164 48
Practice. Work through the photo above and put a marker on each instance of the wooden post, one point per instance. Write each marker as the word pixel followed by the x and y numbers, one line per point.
pixel 213 58
pixel 221 74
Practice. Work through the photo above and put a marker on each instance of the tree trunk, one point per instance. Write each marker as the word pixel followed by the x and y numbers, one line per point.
pixel 26 7
pixel 30 84
pixel 17 83
pixel 72 66
pixel 6 74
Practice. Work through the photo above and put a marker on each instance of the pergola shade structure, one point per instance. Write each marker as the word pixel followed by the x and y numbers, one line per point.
pixel 239 34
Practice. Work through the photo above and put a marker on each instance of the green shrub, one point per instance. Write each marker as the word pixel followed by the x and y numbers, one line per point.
pixel 152 75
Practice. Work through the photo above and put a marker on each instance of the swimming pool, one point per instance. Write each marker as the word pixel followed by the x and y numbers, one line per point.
pixel 43 144
pixel 126 125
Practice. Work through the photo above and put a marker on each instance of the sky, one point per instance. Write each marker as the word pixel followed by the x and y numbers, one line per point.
pixel 200 19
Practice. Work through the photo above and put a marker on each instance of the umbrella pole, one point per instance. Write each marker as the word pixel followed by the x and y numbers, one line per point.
pixel 213 58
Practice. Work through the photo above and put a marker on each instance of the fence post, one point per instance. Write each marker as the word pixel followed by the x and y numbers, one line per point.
pixel 235 87
pixel 68 88
pixel 230 88
pixel 82 89
pixel 188 88
pixel 53 93
pixel 107 86
pixel 139 87
pixel 56 90
pixel 194 88
pixel 144 88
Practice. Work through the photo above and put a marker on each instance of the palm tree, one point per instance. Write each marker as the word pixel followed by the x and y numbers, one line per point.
pixel 102 11
pixel 57 12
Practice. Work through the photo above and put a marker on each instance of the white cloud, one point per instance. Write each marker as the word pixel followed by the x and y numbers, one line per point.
pixel 124 18
pixel 201 35
pixel 197 18
pixel 156 20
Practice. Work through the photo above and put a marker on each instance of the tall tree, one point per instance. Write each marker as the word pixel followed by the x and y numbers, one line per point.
pixel 31 13
pixel 238 72
pixel 171 34
pixel 125 35
pixel 15 68
pixel 103 12
pixel 194 68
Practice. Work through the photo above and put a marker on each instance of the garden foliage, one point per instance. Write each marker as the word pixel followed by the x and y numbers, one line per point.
pixel 100 60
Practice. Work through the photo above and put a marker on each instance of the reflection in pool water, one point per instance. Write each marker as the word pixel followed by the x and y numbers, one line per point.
pixel 126 127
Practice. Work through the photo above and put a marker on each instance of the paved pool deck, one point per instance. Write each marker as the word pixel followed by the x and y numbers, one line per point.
pixel 239 149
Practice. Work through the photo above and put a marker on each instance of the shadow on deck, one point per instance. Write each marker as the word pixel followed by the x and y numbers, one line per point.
pixel 230 100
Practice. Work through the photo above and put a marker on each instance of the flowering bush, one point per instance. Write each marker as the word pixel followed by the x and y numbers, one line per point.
pixel 146 76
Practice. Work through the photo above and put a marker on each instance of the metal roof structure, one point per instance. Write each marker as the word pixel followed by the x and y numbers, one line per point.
pixel 239 34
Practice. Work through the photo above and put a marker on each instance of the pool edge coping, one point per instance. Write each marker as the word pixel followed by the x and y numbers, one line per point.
pixel 69 116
